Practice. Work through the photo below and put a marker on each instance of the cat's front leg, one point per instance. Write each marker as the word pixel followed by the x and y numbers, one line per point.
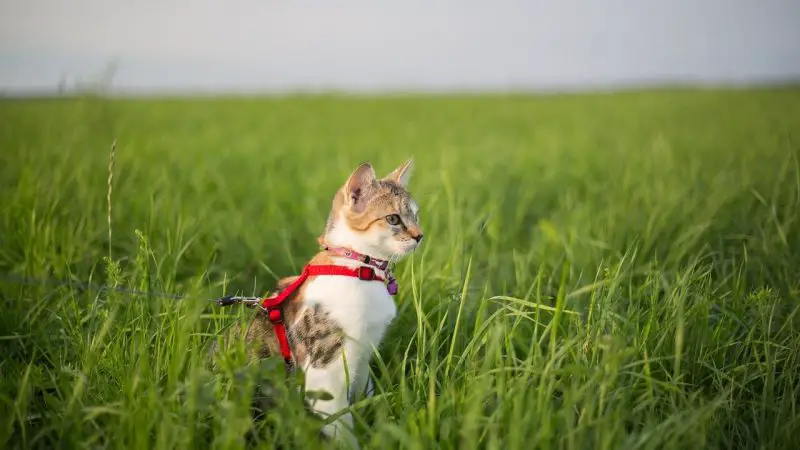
pixel 327 394
pixel 370 389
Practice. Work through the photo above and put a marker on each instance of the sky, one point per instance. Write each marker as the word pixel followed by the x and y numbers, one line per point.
pixel 278 45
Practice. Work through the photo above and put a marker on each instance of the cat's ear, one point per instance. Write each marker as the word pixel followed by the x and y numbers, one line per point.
pixel 402 174
pixel 356 187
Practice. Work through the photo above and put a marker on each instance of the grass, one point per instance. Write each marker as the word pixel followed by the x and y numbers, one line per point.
pixel 600 271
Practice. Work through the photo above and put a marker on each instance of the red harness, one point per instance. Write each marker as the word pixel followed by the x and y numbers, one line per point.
pixel 273 305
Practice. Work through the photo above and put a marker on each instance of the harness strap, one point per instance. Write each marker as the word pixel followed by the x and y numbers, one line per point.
pixel 272 304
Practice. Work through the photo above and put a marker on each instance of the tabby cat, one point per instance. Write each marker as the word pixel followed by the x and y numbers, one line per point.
pixel 335 320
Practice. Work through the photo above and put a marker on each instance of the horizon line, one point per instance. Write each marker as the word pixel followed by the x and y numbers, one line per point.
pixel 411 90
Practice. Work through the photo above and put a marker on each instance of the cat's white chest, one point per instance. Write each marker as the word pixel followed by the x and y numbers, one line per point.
pixel 363 309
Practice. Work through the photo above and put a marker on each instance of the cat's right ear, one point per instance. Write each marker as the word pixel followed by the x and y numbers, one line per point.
pixel 356 187
pixel 402 174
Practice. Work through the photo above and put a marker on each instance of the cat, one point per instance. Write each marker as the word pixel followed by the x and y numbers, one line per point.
pixel 332 319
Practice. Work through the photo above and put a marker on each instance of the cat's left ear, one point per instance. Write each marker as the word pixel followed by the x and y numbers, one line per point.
pixel 402 174
pixel 357 187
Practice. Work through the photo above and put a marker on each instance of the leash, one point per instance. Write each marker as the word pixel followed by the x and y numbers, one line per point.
pixel 228 300
pixel 53 282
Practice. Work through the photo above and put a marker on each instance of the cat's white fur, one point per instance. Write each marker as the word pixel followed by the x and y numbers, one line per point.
pixel 363 310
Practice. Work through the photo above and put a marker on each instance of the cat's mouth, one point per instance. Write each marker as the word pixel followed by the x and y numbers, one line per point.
pixel 407 247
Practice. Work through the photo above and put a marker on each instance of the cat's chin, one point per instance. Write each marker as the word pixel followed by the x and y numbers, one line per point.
pixel 404 250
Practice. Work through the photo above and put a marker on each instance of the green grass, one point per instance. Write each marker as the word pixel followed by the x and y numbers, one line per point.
pixel 599 271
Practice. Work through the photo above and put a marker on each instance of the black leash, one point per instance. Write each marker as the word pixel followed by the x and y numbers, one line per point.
pixel 227 300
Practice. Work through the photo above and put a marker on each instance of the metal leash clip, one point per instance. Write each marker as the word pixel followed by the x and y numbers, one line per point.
pixel 229 300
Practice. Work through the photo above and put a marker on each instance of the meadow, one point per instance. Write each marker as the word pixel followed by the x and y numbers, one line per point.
pixel 600 271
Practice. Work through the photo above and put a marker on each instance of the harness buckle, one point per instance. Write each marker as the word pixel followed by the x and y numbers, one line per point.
pixel 366 273
pixel 275 315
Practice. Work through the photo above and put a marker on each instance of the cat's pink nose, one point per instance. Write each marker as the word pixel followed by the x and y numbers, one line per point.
pixel 418 237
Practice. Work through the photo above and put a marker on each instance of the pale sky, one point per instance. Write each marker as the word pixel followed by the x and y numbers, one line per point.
pixel 397 44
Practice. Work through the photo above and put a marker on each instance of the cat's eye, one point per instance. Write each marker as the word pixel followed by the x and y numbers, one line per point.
pixel 393 219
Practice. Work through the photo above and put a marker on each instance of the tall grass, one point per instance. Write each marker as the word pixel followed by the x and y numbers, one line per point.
pixel 601 271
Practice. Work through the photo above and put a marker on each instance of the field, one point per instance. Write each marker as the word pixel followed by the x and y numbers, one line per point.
pixel 600 271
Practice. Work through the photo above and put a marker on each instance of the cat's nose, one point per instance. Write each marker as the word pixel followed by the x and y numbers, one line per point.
pixel 418 237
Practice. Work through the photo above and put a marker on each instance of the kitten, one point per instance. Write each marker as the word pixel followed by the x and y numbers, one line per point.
pixel 331 316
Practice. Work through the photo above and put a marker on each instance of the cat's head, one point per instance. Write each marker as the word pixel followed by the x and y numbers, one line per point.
pixel 375 216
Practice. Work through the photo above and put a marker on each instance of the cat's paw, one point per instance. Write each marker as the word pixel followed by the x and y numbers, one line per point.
pixel 341 435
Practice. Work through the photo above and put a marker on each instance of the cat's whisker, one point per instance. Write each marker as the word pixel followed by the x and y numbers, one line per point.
pixel 394 257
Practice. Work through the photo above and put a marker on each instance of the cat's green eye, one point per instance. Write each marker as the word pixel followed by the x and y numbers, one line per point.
pixel 393 219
